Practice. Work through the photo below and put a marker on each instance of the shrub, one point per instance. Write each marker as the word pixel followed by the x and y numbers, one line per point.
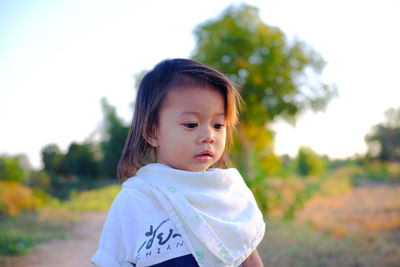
pixel 15 197
pixel 309 163
pixel 11 169
pixel 39 179
pixel 280 198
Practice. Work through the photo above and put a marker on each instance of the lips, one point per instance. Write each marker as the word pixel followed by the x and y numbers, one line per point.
pixel 204 156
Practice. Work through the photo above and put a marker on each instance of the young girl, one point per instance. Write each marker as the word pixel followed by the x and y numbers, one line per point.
pixel 173 209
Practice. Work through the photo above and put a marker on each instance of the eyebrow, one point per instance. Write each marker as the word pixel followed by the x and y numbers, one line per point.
pixel 197 113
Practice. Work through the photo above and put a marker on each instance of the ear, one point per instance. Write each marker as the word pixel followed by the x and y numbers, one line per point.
pixel 152 138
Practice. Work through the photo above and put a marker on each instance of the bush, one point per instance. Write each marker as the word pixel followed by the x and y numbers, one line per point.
pixel 280 198
pixel 11 169
pixel 15 197
pixel 39 179
pixel 309 163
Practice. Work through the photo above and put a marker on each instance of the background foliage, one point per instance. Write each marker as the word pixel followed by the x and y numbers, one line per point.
pixel 384 139
pixel 278 78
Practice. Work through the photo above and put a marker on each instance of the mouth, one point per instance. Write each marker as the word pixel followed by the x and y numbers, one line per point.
pixel 204 156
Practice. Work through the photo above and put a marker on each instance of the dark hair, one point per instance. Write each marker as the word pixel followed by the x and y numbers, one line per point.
pixel 166 75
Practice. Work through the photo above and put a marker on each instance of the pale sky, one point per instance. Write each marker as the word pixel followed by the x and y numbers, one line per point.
pixel 59 58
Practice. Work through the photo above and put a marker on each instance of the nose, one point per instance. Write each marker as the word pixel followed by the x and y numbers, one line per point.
pixel 207 136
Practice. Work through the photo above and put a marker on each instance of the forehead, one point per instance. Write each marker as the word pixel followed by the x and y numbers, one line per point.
pixel 195 99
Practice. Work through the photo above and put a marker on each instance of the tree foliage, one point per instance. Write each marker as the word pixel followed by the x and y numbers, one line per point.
pixel 52 158
pixel 39 179
pixel 113 139
pixel 80 160
pixel 308 162
pixel 11 169
pixel 65 172
pixel 279 78
pixel 384 139
pixel 84 165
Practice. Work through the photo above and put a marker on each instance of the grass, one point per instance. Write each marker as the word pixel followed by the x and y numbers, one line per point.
pixel 325 213
pixel 368 208
pixel 338 226
pixel 93 200
pixel 19 234
pixel 287 243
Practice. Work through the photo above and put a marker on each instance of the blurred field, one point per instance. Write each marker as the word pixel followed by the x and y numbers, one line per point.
pixel 293 244
pixel 359 227
pixel 328 221
pixel 286 243
pixel 373 209
pixel 93 200
pixel 30 223
pixel 75 250
pixel 338 219
pixel 19 235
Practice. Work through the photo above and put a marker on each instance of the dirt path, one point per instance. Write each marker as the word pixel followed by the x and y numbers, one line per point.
pixel 75 251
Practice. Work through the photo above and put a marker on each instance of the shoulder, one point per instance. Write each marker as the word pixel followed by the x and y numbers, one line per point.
pixel 131 201
pixel 131 193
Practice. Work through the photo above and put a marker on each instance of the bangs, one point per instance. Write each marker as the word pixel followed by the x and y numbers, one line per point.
pixel 224 86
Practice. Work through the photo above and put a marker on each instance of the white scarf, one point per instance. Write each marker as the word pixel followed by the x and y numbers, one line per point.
pixel 214 211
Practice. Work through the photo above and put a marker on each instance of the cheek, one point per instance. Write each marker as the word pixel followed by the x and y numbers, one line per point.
pixel 222 139
pixel 173 140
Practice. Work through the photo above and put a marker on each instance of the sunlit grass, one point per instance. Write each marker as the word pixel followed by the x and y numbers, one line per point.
pixel 19 234
pixel 289 244
pixel 93 200
pixel 367 208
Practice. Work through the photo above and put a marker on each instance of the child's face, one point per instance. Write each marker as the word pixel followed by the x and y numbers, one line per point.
pixel 191 132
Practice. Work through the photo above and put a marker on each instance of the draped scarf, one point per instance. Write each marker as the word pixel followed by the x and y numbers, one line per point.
pixel 214 211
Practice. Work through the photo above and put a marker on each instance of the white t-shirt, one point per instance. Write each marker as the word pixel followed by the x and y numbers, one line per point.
pixel 137 231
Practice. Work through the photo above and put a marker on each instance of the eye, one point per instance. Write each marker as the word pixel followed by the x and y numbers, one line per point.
pixel 219 126
pixel 190 125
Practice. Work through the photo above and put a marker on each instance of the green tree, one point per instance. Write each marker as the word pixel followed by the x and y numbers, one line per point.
pixel 308 162
pixel 279 78
pixel 11 169
pixel 113 139
pixel 384 139
pixel 52 158
pixel 80 160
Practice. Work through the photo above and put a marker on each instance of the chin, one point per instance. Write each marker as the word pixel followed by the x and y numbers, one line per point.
pixel 201 169
pixel 194 167
pixel 197 168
